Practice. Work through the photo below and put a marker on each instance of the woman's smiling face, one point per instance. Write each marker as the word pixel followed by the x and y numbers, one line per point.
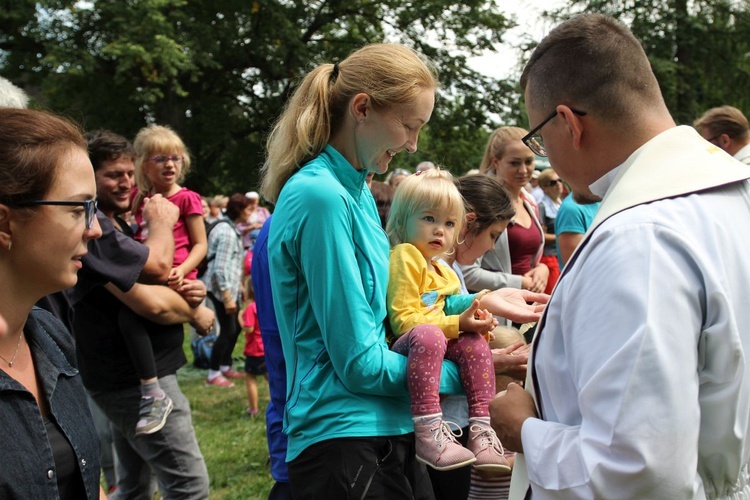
pixel 381 134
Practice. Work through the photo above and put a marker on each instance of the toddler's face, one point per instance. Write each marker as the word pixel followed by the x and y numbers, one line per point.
pixel 432 232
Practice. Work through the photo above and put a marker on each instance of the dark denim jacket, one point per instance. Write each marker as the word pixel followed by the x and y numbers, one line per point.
pixel 27 468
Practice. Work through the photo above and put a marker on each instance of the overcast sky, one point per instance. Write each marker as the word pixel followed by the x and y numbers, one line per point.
pixel 505 60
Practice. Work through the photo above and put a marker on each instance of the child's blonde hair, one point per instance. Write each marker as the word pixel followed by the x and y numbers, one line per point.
pixel 505 336
pixel 149 141
pixel 429 189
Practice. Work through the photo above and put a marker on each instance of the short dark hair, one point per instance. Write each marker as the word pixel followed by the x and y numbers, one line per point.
pixel 724 120
pixel 33 145
pixel 236 204
pixel 105 145
pixel 594 62
pixel 487 198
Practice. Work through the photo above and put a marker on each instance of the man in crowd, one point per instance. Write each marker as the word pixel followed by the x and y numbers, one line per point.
pixel 726 127
pixel 639 382
pixel 107 283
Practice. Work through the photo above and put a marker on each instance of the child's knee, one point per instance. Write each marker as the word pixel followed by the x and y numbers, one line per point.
pixel 428 334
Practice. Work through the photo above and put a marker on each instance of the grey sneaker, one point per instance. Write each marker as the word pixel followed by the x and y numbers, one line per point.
pixel 153 414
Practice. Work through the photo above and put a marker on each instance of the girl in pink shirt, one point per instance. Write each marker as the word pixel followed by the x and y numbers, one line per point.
pixel 160 163
pixel 255 361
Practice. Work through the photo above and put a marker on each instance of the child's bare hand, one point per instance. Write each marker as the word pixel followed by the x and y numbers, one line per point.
pixel 487 318
pixel 176 276
pixel 476 320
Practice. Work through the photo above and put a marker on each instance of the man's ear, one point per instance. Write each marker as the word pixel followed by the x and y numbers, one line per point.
pixel 360 106
pixel 724 141
pixel 573 123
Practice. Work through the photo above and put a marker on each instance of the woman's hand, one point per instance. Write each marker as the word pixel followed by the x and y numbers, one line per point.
pixel 476 320
pixel 230 304
pixel 511 360
pixel 513 304
pixel 539 276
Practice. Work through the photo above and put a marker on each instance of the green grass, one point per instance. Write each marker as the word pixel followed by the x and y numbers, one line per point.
pixel 233 445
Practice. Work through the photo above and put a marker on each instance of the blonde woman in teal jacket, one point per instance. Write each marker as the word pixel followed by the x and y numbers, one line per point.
pixel 347 414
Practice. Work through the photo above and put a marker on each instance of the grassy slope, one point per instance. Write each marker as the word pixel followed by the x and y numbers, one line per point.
pixel 233 445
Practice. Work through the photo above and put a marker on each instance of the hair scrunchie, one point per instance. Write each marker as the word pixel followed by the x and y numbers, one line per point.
pixel 334 73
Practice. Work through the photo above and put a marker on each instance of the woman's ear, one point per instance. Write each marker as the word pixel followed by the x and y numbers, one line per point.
pixel 469 219
pixel 492 169
pixel 360 106
pixel 5 232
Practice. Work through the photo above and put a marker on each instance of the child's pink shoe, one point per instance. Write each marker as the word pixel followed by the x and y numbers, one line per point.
pixel 486 446
pixel 437 445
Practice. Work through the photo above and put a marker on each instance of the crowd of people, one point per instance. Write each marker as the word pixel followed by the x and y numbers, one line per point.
pixel 576 331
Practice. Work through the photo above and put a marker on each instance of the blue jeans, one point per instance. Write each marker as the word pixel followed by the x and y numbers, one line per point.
pixel 171 453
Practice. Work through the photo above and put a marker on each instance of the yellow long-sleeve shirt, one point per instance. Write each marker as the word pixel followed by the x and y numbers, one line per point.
pixel 418 295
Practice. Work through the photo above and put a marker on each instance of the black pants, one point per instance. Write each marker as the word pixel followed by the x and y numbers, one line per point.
pixel 374 468
pixel 280 491
pixel 221 354
pixel 138 342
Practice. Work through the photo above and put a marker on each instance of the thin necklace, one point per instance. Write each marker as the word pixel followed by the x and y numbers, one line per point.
pixel 15 353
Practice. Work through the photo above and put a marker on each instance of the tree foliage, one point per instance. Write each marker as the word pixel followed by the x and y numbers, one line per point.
pixel 220 72
pixel 699 49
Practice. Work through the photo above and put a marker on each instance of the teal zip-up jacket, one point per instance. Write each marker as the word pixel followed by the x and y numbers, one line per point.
pixel 329 276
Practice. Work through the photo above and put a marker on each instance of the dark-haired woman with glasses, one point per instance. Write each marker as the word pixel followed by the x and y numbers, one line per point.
pixel 47 216
pixel 552 186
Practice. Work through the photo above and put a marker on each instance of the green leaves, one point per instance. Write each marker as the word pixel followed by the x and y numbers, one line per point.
pixel 220 72
pixel 699 49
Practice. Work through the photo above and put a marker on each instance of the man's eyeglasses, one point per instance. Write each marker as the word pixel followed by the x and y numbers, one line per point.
pixel 554 182
pixel 90 207
pixel 163 159
pixel 534 141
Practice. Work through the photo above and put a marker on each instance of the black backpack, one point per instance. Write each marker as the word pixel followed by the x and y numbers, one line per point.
pixel 203 266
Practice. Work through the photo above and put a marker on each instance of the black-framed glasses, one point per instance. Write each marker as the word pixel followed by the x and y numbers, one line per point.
pixel 712 139
pixel 163 159
pixel 553 182
pixel 90 207
pixel 534 141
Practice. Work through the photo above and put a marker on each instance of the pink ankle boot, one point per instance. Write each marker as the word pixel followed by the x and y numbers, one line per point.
pixel 486 446
pixel 437 445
